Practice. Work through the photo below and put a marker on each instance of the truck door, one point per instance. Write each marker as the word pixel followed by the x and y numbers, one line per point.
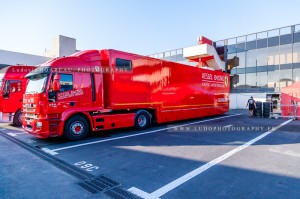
pixel 12 96
pixel 75 91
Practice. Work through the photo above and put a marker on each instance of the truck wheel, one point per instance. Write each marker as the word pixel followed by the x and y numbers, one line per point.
pixel 142 120
pixel 76 128
pixel 18 118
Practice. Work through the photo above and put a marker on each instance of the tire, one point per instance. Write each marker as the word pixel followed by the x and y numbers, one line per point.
pixel 258 105
pixel 142 120
pixel 258 108
pixel 267 107
pixel 257 113
pixel 266 110
pixel 76 128
pixel 18 118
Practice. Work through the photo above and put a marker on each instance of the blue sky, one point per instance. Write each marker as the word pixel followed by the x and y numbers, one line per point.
pixel 138 26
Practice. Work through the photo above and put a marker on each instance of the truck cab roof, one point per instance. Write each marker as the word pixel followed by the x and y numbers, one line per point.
pixel 15 72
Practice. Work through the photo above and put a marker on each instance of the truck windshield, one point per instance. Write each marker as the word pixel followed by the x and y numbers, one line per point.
pixel 37 83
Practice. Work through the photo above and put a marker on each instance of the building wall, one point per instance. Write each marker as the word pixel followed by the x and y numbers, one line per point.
pixel 239 100
pixel 269 60
pixel 13 58
pixel 62 46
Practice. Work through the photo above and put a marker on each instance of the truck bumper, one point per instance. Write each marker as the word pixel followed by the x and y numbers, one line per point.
pixel 6 117
pixel 40 128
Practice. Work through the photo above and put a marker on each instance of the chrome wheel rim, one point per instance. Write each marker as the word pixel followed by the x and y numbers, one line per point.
pixel 142 120
pixel 77 128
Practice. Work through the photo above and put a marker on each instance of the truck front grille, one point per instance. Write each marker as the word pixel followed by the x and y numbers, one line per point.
pixel 30 115
pixel 29 108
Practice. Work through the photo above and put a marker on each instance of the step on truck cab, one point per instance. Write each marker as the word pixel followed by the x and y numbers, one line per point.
pixel 12 88
pixel 96 90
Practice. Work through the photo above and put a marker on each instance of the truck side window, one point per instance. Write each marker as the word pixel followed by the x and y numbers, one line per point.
pixel 66 82
pixel 123 64
pixel 14 86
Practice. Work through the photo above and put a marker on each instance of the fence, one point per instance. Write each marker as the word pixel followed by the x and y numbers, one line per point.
pixel 290 111
pixel 277 110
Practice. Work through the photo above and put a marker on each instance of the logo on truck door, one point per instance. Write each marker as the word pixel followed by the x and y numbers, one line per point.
pixel 68 94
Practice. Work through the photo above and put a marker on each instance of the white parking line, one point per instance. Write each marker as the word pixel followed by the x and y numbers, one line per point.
pixel 12 129
pixel 141 193
pixel 15 134
pixel 12 134
pixel 228 126
pixel 172 185
pixel 138 134
pixel 49 151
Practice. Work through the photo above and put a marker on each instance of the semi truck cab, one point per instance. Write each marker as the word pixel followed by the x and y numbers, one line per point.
pixel 57 90
pixel 12 88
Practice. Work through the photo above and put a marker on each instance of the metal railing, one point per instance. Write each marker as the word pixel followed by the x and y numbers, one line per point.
pixel 285 111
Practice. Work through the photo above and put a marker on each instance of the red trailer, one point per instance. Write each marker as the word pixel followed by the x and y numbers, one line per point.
pixel 96 90
pixel 12 88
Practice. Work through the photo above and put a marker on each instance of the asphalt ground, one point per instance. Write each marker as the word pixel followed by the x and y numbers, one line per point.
pixel 227 156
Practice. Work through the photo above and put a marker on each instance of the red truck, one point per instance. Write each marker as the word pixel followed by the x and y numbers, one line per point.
pixel 96 90
pixel 12 88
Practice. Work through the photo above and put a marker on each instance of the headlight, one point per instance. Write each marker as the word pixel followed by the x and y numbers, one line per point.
pixel 39 124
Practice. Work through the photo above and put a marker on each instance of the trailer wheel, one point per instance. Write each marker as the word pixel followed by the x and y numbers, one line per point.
pixel 18 118
pixel 76 128
pixel 142 120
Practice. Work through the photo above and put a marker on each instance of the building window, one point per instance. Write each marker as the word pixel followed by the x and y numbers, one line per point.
pixel 296 53
pixel 273 80
pixel 286 54
pixel 273 55
pixel 296 37
pixel 123 64
pixel 251 82
pixel 262 80
pixel 242 60
pixel 296 74
pixel 251 58
pixel 286 78
pixel 262 57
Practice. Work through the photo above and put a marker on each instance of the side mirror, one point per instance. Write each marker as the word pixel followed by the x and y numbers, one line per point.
pixel 6 94
pixel 56 83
